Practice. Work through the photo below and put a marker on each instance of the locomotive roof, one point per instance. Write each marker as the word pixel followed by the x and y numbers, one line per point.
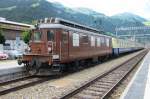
pixel 67 23
pixel 67 28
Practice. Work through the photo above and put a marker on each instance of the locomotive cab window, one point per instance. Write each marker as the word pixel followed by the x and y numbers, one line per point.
pixel 50 35
pixel 37 36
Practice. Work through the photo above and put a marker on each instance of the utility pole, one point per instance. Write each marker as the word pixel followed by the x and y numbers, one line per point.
pixel 116 29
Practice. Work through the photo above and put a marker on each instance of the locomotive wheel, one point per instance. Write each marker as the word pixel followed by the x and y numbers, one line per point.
pixel 34 67
pixel 27 66
pixel 33 70
pixel 58 68
pixel 19 62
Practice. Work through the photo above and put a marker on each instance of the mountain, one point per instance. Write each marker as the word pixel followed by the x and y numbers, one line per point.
pixel 28 10
pixel 124 18
pixel 129 16
pixel 88 11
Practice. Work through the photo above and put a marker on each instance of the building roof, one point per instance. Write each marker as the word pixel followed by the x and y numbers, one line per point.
pixel 3 20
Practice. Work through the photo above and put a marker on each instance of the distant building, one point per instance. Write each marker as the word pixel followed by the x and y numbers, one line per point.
pixel 1 48
pixel 13 34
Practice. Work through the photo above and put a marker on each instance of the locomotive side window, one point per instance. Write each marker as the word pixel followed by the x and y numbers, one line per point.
pixel 98 42
pixel 92 41
pixel 37 36
pixel 64 37
pixel 107 42
pixel 102 41
pixel 75 39
pixel 50 35
pixel 85 39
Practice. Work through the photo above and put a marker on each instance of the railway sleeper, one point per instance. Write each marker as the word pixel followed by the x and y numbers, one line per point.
pixel 109 80
pixel 95 89
pixel 93 93
pixel 106 82
pixel 103 88
pixel 82 96
pixel 100 86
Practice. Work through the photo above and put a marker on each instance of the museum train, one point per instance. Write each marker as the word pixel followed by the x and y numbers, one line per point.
pixel 57 44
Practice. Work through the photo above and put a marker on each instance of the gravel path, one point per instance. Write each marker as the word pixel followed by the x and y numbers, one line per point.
pixel 54 88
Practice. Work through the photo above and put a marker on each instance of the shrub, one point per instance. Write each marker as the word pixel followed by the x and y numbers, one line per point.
pixel 2 38
pixel 26 36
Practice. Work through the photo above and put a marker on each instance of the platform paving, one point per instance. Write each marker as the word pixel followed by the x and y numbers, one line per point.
pixel 9 66
pixel 139 87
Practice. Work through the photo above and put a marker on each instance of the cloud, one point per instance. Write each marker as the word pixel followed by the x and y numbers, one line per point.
pixel 111 7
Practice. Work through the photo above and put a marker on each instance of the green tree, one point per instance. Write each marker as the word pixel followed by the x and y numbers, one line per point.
pixel 2 38
pixel 26 36
pixel 109 33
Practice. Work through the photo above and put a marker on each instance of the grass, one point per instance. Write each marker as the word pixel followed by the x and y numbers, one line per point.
pixel 147 23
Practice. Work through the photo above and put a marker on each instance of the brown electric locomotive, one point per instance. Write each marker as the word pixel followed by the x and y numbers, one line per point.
pixel 57 44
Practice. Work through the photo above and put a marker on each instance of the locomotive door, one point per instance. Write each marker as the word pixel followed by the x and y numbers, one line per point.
pixel 64 45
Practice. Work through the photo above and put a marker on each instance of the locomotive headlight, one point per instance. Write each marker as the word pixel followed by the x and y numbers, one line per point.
pixel 29 49
pixel 55 57
pixel 49 49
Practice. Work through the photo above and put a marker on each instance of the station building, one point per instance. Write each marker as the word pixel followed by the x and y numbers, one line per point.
pixel 12 32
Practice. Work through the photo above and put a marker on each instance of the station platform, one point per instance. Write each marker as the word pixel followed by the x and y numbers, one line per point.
pixel 139 87
pixel 9 66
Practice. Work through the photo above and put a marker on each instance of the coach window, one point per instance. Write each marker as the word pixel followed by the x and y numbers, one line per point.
pixel 75 38
pixel 50 35
pixel 92 41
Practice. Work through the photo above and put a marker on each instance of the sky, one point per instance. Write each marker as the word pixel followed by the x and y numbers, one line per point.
pixel 111 7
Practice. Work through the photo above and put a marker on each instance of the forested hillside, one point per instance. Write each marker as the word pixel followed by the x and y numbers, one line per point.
pixel 28 10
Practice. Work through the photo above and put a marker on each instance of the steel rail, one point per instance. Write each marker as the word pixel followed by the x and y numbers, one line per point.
pixel 76 93
pixel 20 84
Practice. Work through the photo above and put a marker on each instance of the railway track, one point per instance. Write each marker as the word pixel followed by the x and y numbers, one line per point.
pixel 101 86
pixel 21 83
pixel 12 76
